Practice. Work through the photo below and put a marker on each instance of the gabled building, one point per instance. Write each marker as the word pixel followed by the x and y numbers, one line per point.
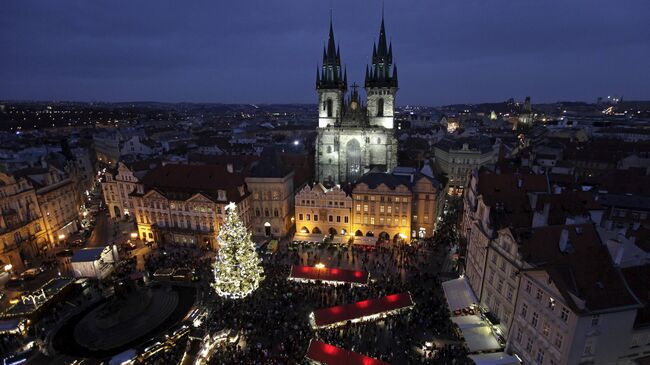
pixel 185 204
pixel 22 230
pixel 573 306
pixel 272 197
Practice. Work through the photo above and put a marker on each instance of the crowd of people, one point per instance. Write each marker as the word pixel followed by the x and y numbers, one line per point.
pixel 275 319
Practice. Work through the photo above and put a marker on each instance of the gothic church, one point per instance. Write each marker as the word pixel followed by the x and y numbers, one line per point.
pixel 353 137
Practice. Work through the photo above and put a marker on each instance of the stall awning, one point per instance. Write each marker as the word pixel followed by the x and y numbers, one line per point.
pixel 458 293
pixel 310 237
pixel 477 333
pixel 328 274
pixel 495 358
pixel 360 310
pixel 331 355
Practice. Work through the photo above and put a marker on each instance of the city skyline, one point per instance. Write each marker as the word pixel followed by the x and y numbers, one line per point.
pixel 238 53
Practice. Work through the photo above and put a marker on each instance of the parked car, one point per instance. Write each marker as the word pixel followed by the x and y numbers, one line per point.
pixel 31 274
pixel 77 242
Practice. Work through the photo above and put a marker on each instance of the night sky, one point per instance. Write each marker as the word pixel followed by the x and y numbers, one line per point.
pixel 267 51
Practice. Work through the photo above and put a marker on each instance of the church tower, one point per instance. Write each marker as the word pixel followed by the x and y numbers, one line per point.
pixel 331 84
pixel 381 82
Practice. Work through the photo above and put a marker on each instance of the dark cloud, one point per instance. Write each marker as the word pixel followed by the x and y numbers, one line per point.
pixel 267 51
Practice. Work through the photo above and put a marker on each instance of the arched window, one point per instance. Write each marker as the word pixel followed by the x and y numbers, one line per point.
pixel 380 107
pixel 257 212
pixel 329 149
pixel 330 112
pixel 276 213
pixel 378 140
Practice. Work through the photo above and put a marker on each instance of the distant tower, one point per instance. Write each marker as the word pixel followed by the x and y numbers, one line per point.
pixel 381 82
pixel 331 84
pixel 526 114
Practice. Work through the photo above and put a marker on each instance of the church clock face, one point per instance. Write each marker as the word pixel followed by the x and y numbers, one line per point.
pixel 353 105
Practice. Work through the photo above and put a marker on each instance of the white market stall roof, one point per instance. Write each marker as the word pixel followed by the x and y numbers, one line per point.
pixel 495 358
pixel 88 254
pixel 458 293
pixel 478 335
pixel 311 237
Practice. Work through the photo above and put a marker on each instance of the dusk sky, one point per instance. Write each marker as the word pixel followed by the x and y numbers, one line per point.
pixel 267 51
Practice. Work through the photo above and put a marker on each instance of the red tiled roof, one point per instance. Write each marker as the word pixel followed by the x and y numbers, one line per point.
pixel 567 204
pixel 585 270
pixel 364 308
pixel 329 274
pixel 332 355
pixel 507 196
pixel 182 181
pixel 637 279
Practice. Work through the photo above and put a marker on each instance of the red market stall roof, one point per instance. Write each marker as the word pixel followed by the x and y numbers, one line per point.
pixel 327 274
pixel 361 310
pixel 331 355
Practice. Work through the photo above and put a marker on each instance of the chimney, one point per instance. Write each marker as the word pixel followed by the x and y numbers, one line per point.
pixel 229 168
pixel 564 240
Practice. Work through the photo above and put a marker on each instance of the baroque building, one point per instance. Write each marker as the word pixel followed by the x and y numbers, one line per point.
pixel 354 138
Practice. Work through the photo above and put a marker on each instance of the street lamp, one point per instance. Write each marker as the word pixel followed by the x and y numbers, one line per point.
pixel 134 235
pixel 319 266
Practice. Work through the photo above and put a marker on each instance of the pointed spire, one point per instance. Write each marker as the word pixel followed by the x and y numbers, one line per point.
pixel 382 49
pixel 367 75
pixel 390 52
pixel 331 45
pixel 317 76
pixel 395 74
pixel 345 76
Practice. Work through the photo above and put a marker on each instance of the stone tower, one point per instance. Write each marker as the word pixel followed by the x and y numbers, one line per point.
pixel 355 138
pixel 331 83
pixel 381 82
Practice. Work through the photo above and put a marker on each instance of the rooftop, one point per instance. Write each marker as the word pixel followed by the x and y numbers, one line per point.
pixel 584 269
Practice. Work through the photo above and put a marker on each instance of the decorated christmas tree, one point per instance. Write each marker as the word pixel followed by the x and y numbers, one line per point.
pixel 237 269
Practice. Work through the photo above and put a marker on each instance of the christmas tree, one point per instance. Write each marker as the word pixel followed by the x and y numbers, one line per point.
pixel 237 269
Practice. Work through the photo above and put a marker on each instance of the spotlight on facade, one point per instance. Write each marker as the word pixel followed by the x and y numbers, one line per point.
pixel 61 237
pixel 134 235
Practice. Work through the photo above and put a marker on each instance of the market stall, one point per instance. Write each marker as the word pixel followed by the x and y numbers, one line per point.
pixel 322 353
pixel 459 296
pixel 495 358
pixel 477 334
pixel 361 311
pixel 328 275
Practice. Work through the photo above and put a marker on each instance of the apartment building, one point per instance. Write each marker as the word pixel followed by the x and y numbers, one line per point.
pixel 319 210
pixel 22 229
pixel 272 197
pixel 185 204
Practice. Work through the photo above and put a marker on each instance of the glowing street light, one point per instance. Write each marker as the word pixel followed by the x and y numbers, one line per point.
pixel 61 237
pixel 134 235
pixel 320 266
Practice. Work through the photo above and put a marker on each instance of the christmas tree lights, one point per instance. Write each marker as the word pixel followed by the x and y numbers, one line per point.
pixel 237 269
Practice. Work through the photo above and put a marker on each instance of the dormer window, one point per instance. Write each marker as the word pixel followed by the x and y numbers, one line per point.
pixel 221 195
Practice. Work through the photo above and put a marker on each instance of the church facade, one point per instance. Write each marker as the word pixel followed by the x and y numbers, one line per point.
pixel 355 137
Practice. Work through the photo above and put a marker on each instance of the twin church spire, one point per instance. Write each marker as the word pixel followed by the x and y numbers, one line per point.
pixel 382 72
pixel 331 75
